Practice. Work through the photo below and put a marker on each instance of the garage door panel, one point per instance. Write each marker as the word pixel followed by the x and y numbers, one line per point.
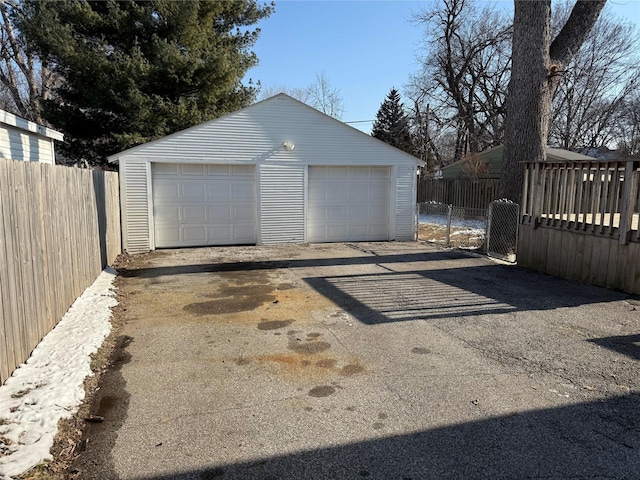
pixel 221 234
pixel 196 235
pixel 337 231
pixel 348 203
pixel 219 192
pixel 196 205
pixel 194 214
pixel 357 212
pixel 165 168
pixel 193 190
pixel 381 172
pixel 336 213
pixel 245 233
pixel 192 169
pixel 243 190
pixel 167 215
pixel 356 173
pixel 359 232
pixel 357 193
pixel 242 212
pixel 165 189
pixel 219 214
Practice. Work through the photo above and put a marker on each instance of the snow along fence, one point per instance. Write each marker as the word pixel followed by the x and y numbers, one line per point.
pixel 59 226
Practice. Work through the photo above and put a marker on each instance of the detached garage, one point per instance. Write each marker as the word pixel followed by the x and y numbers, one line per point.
pixel 277 171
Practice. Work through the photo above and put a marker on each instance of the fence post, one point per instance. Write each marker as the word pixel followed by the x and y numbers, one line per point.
pixel 629 195
pixel 449 211
pixel 488 233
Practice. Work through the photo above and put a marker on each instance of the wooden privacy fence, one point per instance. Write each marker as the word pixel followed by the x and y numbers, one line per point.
pixel 458 192
pixel 59 226
pixel 580 221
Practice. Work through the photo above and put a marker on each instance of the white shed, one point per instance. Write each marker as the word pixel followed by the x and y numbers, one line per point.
pixel 277 171
pixel 21 139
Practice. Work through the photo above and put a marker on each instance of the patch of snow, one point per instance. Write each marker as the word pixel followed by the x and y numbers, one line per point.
pixel 49 386
pixel 470 231
pixel 435 219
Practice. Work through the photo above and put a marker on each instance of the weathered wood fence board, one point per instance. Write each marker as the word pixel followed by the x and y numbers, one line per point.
pixel 580 221
pixel 458 192
pixel 59 227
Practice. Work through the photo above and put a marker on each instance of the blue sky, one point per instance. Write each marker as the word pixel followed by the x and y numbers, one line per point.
pixel 364 47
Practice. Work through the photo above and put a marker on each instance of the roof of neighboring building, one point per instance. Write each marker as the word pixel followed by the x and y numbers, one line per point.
pixel 23 124
pixel 492 157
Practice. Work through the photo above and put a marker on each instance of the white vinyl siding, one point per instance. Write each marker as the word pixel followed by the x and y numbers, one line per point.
pixel 198 205
pixel 135 206
pixel 16 144
pixel 348 203
pixel 281 204
pixel 405 203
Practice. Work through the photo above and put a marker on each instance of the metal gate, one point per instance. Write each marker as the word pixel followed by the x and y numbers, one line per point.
pixel 502 230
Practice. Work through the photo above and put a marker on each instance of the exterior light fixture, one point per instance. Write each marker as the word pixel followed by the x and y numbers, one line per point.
pixel 288 145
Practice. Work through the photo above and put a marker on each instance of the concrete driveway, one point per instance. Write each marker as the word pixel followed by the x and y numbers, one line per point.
pixel 376 360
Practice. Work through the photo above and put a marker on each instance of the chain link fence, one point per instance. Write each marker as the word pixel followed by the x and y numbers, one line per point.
pixel 451 226
pixel 502 230
pixel 493 231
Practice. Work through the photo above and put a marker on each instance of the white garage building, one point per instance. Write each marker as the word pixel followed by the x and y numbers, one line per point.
pixel 277 171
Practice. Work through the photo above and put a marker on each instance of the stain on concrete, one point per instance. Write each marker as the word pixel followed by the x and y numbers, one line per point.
pixel 243 361
pixel 383 416
pixel 378 425
pixel 420 350
pixel 106 405
pixel 243 290
pixel 274 324
pixel 308 348
pixel 235 304
pixel 327 363
pixel 322 391
pixel 286 286
pixel 313 335
pixel 351 369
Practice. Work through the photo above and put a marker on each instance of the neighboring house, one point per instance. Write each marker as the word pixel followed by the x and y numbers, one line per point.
pixel 22 139
pixel 491 163
pixel 277 171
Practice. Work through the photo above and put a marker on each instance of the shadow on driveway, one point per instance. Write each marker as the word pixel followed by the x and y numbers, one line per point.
pixel 425 290
pixel 590 440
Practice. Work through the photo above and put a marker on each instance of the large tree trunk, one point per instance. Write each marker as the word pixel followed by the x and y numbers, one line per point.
pixel 535 69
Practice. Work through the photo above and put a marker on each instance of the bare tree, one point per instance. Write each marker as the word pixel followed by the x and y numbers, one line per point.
pixel 301 94
pixel 591 91
pixel 25 82
pixel 628 127
pixel 536 67
pixel 319 95
pixel 324 97
pixel 464 71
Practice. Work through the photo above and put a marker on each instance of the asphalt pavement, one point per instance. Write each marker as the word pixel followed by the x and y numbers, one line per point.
pixel 370 360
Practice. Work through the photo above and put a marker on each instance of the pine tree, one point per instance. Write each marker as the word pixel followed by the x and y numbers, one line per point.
pixel 134 70
pixel 392 124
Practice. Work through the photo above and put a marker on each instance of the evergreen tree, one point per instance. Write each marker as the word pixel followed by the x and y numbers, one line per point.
pixel 392 124
pixel 133 71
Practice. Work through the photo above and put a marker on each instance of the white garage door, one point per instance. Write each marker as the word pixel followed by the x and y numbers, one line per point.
pixel 348 204
pixel 196 205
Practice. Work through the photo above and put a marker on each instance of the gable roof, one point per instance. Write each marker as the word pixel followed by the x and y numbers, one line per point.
pixel 254 132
